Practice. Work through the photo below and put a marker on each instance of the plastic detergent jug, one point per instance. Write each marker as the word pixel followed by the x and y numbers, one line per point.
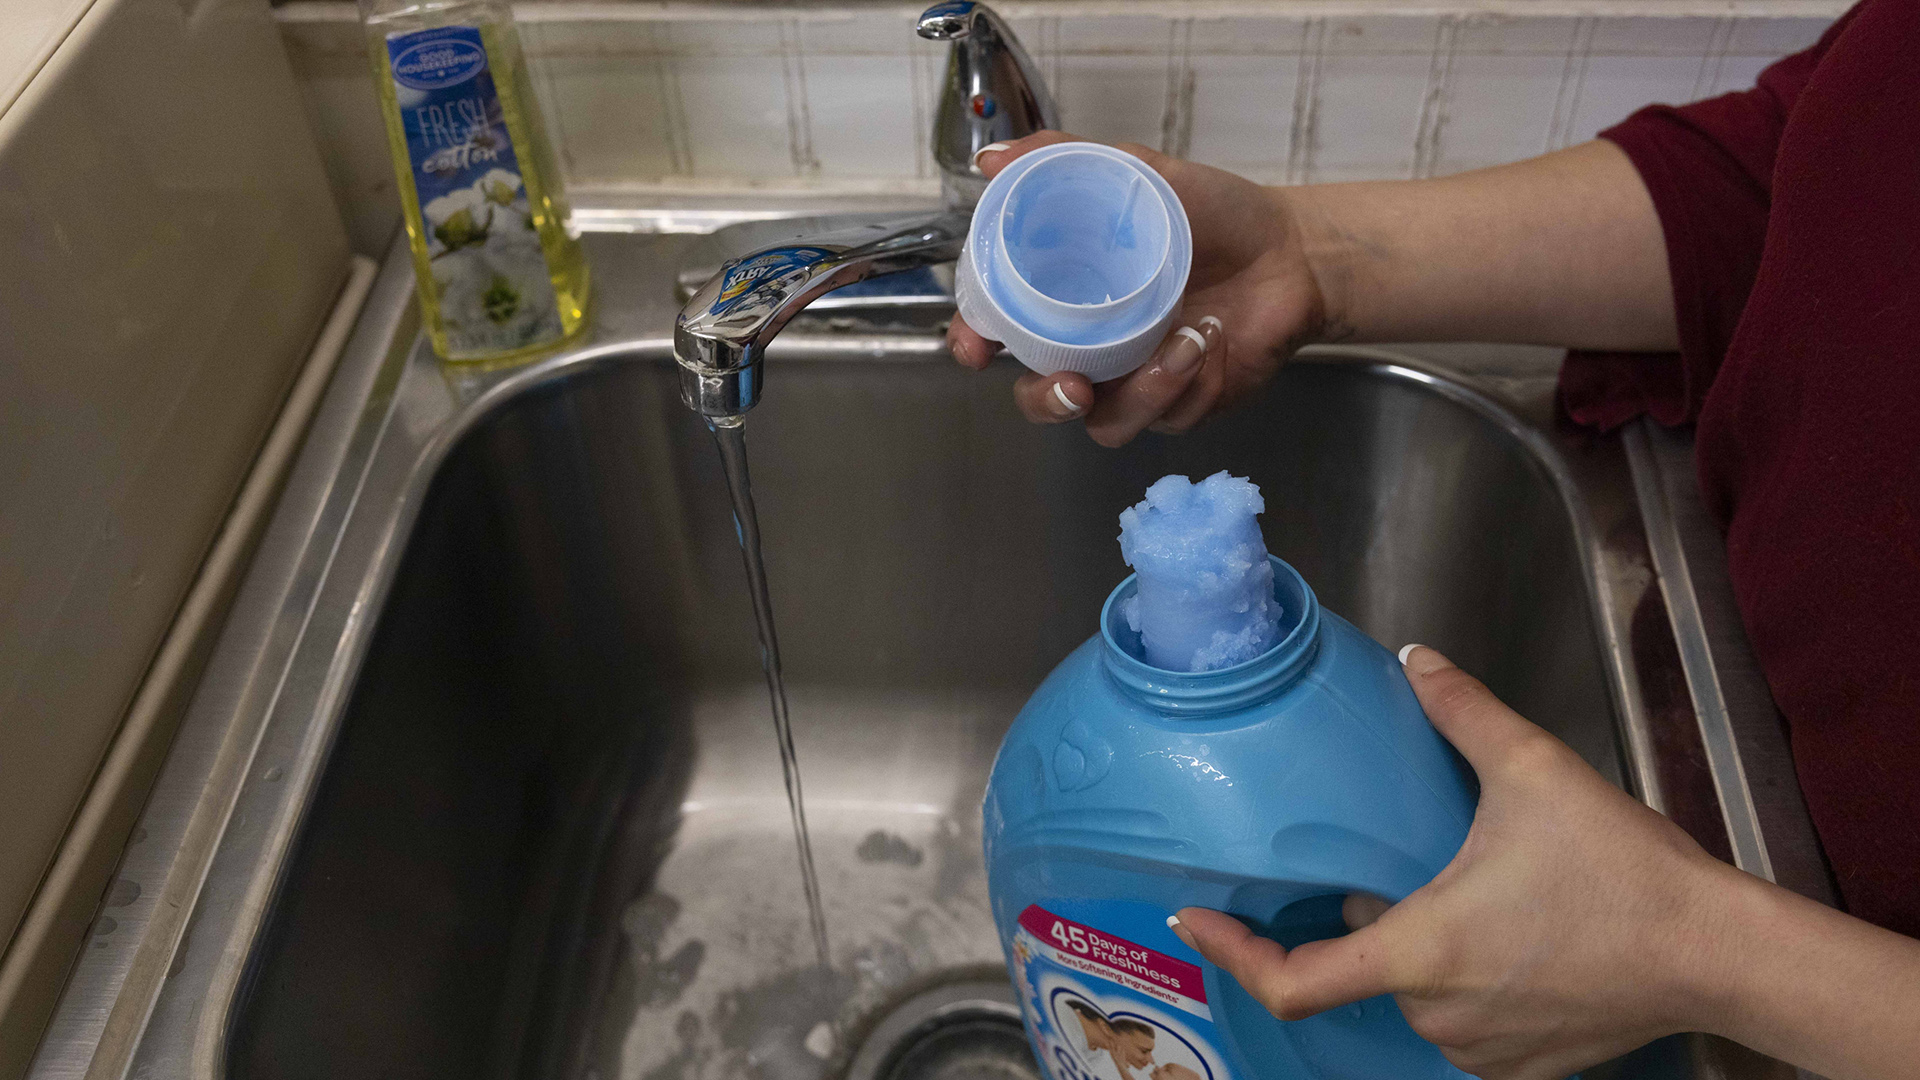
pixel 1267 788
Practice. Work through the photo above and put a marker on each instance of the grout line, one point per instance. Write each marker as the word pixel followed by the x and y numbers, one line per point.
pixel 1050 44
pixel 680 154
pixel 531 39
pixel 1433 105
pixel 674 112
pixel 919 92
pixel 1303 133
pixel 1176 121
pixel 793 65
pixel 1573 79
pixel 1713 59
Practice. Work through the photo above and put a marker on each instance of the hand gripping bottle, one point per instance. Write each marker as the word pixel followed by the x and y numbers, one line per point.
pixel 1297 768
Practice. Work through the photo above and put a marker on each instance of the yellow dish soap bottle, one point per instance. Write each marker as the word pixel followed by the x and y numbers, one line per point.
pixel 500 276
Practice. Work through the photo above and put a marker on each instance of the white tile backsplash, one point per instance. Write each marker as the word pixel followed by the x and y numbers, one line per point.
pixel 1112 98
pixel 1499 107
pixel 607 120
pixel 1367 111
pixel 1121 35
pixel 1650 36
pixel 737 119
pixel 863 115
pixel 1280 35
pixel 1507 35
pixel 1613 85
pixel 1776 37
pixel 1243 110
pixel 1737 73
pixel 661 97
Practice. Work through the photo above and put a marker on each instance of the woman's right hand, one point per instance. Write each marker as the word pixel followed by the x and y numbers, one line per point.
pixel 1565 248
pixel 1251 301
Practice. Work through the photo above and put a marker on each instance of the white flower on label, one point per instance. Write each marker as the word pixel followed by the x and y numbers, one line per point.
pixel 495 288
pixel 500 187
pixel 462 229
pixel 465 216
pixel 498 291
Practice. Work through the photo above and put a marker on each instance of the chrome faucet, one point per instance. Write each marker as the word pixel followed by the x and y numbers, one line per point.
pixel 992 93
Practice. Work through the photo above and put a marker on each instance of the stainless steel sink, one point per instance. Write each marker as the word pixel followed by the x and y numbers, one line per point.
pixel 483 782
pixel 552 835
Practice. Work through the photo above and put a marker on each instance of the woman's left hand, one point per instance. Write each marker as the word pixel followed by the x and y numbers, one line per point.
pixel 1574 924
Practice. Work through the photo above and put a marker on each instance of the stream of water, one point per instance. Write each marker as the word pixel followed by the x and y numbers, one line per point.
pixel 731 436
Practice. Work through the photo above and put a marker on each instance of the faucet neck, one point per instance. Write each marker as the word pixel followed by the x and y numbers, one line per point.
pixel 993 93
pixel 721 336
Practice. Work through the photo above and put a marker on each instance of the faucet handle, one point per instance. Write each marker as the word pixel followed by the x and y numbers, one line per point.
pixel 992 93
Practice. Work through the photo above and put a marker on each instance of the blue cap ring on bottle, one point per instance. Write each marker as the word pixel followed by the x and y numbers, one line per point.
pixel 1077 260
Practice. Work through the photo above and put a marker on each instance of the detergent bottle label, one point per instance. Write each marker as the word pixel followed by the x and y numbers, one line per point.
pixel 1100 1007
pixel 494 289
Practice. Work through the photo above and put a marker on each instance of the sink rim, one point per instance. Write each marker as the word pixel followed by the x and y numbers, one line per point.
pixel 277 690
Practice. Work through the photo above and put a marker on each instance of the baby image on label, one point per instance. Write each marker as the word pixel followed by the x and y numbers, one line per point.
pixel 1125 1044
pixel 1102 1008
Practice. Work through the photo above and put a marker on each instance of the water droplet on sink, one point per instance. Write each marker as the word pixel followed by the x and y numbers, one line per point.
pixel 820 1040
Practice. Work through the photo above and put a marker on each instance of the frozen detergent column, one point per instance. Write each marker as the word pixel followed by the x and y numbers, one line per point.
pixel 1205 596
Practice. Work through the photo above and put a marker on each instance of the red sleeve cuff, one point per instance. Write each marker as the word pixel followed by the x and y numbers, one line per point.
pixel 1713 213
pixel 1708 167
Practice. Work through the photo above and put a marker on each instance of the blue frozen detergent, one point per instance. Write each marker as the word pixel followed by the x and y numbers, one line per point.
pixel 1269 789
pixel 1204 592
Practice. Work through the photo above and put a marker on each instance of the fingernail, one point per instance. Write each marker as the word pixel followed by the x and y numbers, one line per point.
pixel 1063 406
pixel 990 148
pixel 1180 931
pixel 1213 330
pixel 1425 662
pixel 1183 351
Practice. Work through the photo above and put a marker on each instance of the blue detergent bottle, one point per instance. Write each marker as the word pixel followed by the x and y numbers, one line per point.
pixel 1297 770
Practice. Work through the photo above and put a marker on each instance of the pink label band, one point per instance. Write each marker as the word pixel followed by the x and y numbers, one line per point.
pixel 1080 946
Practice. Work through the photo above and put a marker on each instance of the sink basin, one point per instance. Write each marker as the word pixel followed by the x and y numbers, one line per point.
pixel 503 799
pixel 552 837
pixel 553 840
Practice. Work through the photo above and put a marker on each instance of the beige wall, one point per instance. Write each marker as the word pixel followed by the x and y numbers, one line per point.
pixel 168 246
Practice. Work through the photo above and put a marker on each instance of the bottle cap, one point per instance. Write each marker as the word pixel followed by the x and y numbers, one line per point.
pixel 1076 260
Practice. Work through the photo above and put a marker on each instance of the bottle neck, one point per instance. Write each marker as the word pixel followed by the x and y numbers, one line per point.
pixel 1212 693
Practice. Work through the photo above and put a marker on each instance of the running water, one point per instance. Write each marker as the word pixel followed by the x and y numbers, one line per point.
pixel 730 434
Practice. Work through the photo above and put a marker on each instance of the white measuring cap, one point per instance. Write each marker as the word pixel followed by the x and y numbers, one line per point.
pixel 1076 260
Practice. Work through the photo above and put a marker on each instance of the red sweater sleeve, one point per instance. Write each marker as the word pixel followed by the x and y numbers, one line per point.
pixel 1709 168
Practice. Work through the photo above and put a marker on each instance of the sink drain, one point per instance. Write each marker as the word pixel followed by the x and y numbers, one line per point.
pixel 966 1030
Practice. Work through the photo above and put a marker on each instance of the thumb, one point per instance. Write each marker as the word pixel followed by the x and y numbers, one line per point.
pixel 1465 712
pixel 996 156
pixel 1292 983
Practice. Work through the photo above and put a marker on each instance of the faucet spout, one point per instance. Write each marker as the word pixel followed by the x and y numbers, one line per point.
pixel 723 331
